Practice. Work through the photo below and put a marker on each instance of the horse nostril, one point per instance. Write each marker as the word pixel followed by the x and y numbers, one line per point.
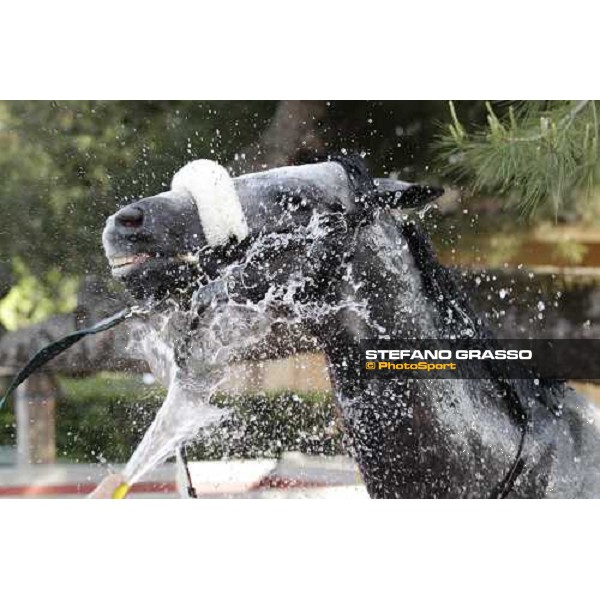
pixel 131 217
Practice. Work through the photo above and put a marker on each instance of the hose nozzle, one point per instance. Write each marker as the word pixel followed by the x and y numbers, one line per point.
pixel 121 492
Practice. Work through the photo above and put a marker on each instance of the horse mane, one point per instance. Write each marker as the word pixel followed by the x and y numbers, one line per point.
pixel 449 298
pixel 441 286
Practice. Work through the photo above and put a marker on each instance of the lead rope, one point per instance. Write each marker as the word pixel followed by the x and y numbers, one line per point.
pixel 52 350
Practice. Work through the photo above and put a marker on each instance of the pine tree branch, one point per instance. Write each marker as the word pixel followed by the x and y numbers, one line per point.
pixel 550 166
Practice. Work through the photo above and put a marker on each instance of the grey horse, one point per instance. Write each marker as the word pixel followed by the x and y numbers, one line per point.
pixel 341 255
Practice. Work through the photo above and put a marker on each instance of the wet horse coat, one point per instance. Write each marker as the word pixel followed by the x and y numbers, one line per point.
pixel 337 264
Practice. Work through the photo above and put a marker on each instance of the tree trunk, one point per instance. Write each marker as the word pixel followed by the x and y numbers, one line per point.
pixel 293 135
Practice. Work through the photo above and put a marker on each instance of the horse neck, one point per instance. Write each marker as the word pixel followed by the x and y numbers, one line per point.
pixel 412 437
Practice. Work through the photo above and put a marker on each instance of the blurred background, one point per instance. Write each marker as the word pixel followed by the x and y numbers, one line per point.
pixel 519 223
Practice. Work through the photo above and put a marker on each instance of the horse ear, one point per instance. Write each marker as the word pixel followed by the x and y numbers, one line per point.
pixel 392 193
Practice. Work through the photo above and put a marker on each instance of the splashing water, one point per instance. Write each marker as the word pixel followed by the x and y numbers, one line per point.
pixel 187 409
pixel 184 412
pixel 224 331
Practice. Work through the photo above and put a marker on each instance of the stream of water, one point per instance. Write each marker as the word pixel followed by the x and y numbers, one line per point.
pixel 224 330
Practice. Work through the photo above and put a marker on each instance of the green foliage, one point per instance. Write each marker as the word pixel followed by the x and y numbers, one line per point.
pixel 104 417
pixel 542 155
pixel 30 300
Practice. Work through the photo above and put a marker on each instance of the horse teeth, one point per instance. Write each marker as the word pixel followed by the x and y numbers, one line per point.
pixel 119 262
pixel 189 258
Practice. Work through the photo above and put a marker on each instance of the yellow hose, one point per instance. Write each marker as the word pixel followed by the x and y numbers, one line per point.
pixel 121 492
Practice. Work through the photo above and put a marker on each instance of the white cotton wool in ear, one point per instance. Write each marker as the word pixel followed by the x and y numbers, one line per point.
pixel 213 191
